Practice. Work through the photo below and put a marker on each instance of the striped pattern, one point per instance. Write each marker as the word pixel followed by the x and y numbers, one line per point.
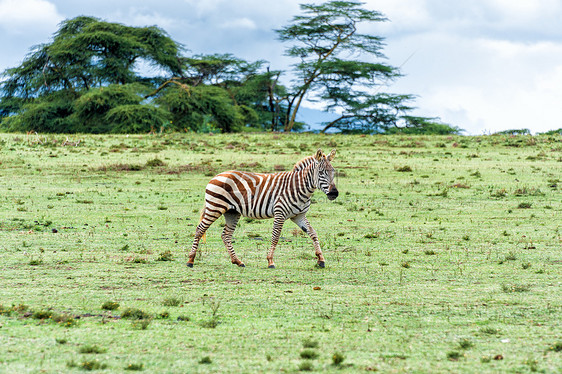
pixel 280 196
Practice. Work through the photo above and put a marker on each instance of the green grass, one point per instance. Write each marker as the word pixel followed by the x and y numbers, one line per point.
pixel 450 265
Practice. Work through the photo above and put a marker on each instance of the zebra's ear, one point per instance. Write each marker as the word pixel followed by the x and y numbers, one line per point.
pixel 318 155
pixel 332 155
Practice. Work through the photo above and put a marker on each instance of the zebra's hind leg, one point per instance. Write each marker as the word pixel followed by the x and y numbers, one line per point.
pixel 207 218
pixel 231 218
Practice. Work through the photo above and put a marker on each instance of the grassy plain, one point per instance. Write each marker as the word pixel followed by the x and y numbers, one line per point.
pixel 443 254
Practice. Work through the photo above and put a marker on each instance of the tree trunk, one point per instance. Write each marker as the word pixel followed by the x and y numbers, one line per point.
pixel 331 124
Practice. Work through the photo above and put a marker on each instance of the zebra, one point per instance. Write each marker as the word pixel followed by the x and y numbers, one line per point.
pixel 281 196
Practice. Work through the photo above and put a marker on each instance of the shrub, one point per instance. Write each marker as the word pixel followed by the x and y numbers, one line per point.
pixel 403 169
pixel 453 355
pixel 110 305
pixel 154 163
pixel 141 324
pixel 509 288
pixel 309 354
pixel 309 343
pixel 172 301
pixel 337 359
pixel 165 255
pixel 134 367
pixel 465 343
pixel 133 313
pixel 88 349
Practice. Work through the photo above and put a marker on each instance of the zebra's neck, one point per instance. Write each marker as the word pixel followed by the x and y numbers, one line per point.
pixel 304 163
pixel 307 176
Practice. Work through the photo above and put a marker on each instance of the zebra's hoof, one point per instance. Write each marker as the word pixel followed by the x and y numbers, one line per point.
pixel 189 265
pixel 321 264
pixel 271 267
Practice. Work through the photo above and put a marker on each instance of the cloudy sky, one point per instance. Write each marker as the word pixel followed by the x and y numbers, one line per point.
pixel 482 65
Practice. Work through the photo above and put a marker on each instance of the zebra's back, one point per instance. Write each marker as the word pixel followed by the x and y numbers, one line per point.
pixel 250 194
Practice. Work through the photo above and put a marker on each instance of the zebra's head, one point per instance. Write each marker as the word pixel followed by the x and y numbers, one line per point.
pixel 325 174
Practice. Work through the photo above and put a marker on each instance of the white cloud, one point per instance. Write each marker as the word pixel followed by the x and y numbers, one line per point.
pixel 239 23
pixel 143 17
pixel 491 85
pixel 18 16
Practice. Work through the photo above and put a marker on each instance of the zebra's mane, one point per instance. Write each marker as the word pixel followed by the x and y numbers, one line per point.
pixel 302 164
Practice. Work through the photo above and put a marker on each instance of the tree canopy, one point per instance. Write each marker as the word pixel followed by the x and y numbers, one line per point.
pixel 92 78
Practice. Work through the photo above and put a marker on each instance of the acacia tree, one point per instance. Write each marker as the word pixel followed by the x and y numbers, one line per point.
pixel 47 92
pixel 217 90
pixel 340 66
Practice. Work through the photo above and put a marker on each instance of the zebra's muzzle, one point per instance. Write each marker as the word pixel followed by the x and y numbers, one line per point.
pixel 332 193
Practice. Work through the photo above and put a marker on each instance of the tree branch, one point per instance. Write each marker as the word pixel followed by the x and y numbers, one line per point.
pixel 186 87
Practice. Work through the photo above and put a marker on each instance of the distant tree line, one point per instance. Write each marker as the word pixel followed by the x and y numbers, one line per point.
pixel 89 80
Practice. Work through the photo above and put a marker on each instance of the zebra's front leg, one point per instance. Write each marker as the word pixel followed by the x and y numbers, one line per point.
pixel 277 227
pixel 302 222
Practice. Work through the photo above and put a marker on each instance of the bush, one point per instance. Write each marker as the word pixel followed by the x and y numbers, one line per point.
pixel 133 313
pixel 135 118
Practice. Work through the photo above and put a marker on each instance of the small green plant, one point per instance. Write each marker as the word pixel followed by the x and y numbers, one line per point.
pixel 42 314
pixel 63 319
pixel 499 193
pixel 206 360
pixel 139 260
pixel 61 341
pixel 134 367
pixel 309 354
pixel 165 256
pixel 490 331
pixel 214 306
pixel 337 359
pixel 155 163
pixel 141 324
pixel 405 265
pixel 91 349
pixel 133 313
pixel 164 315
pixel 210 323
pixel 403 169
pixel 92 365
pixel 183 318
pixel 306 366
pixel 526 265
pixel 309 343
pixel 454 355
pixel 370 236
pixel 524 205
pixel 465 343
pixel 556 347
pixel 509 288
pixel 511 256
pixel 110 305
pixel 430 252
pixel 172 301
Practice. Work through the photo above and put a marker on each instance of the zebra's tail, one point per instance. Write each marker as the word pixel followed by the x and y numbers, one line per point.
pixel 204 237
